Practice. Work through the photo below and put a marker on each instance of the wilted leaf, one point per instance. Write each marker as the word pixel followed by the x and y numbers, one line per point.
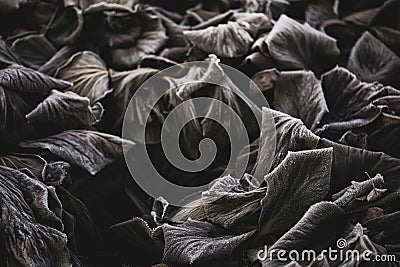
pixel 34 50
pixel 363 107
pixel 299 94
pixel 50 173
pixel 354 138
pixel 125 85
pixel 89 150
pixel 317 228
pixel 89 75
pixel 196 241
pixel 375 193
pixel 226 203
pixel 66 26
pixel 297 46
pixel 31 231
pixel 21 79
pixel 356 190
pixel 7 55
pixel 67 110
pixel 128 34
pixel 370 60
pixel 226 40
pixel 302 179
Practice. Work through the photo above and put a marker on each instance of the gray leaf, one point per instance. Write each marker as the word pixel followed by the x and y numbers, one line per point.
pixel 196 241
pixel 89 150
pixel 302 179
pixel 297 46
pixel 225 40
pixel 66 109
pixel 89 75
pixel 22 79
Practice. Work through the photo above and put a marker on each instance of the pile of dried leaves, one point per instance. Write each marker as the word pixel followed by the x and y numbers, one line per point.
pixel 68 68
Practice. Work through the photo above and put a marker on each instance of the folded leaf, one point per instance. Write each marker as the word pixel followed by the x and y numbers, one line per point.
pixel 291 135
pixel 369 108
pixel 352 164
pixel 301 180
pixel 34 50
pixel 21 79
pixel 299 94
pixel 89 75
pixel 226 203
pixel 226 40
pixel 7 55
pixel 89 150
pixel 31 231
pixel 388 36
pixel 50 173
pixel 296 46
pixel 125 85
pixel 370 60
pixel 127 34
pixel 196 241
pixel 67 110
pixel 12 117
pixel 66 27
pixel 318 228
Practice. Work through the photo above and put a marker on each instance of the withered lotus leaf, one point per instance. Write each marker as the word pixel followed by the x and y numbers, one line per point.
pixel 370 60
pixel 66 108
pixel 226 40
pixel 34 232
pixel 299 46
pixel 196 241
pixel 21 79
pixel 89 150
pixel 34 50
pixel 88 74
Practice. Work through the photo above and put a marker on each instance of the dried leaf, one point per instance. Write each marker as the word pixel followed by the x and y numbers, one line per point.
pixel 226 40
pixel 89 150
pixel 196 241
pixel 89 75
pixel 67 110
pixel 296 46
pixel 21 79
